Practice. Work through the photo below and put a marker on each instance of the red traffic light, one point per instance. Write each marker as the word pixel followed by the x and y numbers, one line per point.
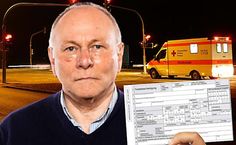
pixel 147 37
pixel 106 4
pixel 8 37
pixel 72 1
pixel 108 1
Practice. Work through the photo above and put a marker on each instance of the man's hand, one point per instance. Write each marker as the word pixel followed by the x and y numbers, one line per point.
pixel 187 138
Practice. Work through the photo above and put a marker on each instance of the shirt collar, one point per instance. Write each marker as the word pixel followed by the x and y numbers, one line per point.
pixel 96 124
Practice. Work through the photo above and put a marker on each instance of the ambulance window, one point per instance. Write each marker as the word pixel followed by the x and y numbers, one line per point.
pixel 218 47
pixel 162 54
pixel 193 48
pixel 225 47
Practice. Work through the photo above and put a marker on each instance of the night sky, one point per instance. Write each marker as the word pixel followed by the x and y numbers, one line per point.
pixel 163 20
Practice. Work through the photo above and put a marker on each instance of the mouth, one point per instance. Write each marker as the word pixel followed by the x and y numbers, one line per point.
pixel 85 78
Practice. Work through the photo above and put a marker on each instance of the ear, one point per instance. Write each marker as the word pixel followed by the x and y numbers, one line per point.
pixel 51 59
pixel 120 55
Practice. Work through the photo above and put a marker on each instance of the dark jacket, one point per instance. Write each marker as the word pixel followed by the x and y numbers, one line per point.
pixel 44 123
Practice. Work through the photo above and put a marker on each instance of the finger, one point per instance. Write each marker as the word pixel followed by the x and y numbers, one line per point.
pixel 192 138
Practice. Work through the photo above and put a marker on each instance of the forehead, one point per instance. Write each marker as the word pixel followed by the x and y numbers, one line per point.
pixel 85 17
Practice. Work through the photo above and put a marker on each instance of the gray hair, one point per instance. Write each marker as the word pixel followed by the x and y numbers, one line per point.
pixel 81 4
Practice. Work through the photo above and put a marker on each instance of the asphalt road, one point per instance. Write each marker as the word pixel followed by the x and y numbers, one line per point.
pixel 12 99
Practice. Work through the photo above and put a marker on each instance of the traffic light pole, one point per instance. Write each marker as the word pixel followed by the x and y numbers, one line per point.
pixel 4 53
pixel 4 49
pixel 143 34
pixel 30 44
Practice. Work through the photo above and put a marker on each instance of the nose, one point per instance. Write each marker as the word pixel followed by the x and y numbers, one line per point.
pixel 84 59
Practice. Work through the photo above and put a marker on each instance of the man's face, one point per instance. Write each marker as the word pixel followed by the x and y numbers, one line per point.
pixel 85 54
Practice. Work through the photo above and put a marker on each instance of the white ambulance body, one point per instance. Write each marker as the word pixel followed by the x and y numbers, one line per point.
pixel 198 58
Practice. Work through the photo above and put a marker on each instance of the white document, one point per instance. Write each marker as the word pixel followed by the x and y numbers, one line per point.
pixel 157 111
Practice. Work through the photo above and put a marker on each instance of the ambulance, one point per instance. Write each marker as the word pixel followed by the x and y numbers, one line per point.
pixel 197 58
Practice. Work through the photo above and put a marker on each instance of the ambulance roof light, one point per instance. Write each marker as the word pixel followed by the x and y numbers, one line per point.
pixel 216 38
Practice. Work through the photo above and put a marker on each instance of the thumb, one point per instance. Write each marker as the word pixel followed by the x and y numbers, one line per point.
pixel 186 138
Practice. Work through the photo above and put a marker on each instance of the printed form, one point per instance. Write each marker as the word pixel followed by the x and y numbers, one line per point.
pixel 157 111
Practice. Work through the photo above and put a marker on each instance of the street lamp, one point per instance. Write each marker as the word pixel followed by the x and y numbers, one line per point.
pixel 143 34
pixel 30 44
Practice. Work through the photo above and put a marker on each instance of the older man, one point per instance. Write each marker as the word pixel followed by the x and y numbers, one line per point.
pixel 85 51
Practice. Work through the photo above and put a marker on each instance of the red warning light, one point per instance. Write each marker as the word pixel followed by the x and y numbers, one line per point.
pixel 8 37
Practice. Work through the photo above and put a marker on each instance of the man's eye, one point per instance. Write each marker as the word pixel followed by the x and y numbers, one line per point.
pixel 97 46
pixel 71 48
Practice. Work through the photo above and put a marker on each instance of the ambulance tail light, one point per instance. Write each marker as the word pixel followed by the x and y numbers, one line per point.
pixel 222 71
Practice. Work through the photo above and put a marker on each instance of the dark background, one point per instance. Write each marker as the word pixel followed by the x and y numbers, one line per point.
pixel 163 20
